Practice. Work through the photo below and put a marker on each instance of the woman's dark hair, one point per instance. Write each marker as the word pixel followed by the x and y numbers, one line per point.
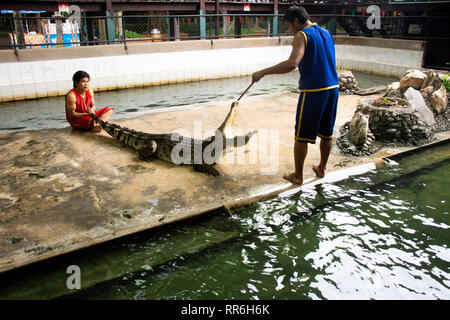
pixel 78 76
pixel 296 12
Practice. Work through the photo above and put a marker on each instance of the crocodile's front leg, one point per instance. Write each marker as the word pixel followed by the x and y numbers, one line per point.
pixel 203 167
pixel 147 151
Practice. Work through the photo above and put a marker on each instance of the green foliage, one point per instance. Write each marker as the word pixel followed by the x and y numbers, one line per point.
pixel 132 34
pixel 446 81
pixel 243 31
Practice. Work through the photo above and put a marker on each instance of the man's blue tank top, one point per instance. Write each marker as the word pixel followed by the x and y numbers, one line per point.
pixel 318 66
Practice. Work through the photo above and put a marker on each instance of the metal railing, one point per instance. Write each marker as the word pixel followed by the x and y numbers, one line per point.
pixel 49 32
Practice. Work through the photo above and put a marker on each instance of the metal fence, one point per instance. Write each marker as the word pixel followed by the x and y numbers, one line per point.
pixel 41 32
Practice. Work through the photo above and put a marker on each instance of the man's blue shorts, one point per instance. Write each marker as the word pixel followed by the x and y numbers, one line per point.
pixel 316 114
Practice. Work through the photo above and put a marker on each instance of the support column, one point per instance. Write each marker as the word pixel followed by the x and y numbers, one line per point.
pixel 202 13
pixel 111 35
pixel 172 28
pixel 169 25
pixel 102 30
pixel 176 26
pixel 18 29
pixel 238 26
pixel 331 25
pixel 59 31
pixel 217 19
pixel 39 28
pixel 90 30
pixel 226 24
pixel 275 18
pixel 118 24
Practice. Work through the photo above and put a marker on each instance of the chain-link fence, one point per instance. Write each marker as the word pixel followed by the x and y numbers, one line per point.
pixel 240 26
pixel 43 32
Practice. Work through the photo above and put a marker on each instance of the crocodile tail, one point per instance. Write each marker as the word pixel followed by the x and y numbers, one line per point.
pixel 130 137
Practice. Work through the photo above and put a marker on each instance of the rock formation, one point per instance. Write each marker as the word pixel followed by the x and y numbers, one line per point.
pixel 347 82
pixel 409 113
pixel 418 103
pixel 413 78
pixel 359 128
pixel 439 100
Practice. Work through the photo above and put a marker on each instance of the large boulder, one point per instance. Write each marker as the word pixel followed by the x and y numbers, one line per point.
pixel 412 78
pixel 422 111
pixel 439 100
pixel 359 128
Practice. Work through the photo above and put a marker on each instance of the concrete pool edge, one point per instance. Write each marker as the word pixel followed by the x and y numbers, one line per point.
pixel 228 206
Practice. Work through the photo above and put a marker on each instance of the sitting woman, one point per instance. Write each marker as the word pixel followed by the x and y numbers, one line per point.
pixel 80 103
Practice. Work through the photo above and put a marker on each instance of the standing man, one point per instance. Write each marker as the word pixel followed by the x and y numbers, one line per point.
pixel 80 103
pixel 313 53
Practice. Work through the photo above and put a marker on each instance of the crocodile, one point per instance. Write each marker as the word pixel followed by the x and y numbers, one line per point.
pixel 177 149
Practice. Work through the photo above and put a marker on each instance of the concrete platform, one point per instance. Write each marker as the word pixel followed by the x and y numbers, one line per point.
pixel 62 190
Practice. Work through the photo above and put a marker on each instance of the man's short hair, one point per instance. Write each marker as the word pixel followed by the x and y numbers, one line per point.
pixel 296 12
pixel 78 76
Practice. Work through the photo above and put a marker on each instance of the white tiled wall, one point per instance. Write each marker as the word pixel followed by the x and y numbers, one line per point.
pixel 21 80
pixel 384 61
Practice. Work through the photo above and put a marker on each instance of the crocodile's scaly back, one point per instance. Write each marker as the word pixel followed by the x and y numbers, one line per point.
pixel 173 147
pixel 132 138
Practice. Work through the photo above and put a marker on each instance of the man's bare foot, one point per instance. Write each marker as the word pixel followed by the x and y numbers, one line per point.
pixel 320 172
pixel 96 129
pixel 292 177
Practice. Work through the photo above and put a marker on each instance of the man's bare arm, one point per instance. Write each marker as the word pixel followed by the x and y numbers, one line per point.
pixel 92 108
pixel 71 107
pixel 298 50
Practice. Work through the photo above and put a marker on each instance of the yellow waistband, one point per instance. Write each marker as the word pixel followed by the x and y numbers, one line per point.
pixel 319 89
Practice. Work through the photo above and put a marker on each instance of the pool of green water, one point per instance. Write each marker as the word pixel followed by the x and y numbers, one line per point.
pixel 379 235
